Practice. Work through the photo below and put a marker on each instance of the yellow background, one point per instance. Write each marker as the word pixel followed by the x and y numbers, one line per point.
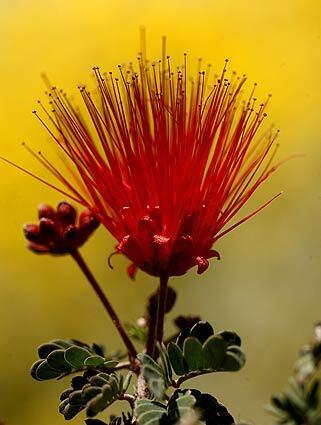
pixel 267 286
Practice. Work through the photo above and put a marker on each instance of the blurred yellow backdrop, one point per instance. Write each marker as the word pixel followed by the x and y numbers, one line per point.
pixel 267 286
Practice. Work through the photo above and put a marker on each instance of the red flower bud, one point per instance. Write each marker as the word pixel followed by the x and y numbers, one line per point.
pixel 66 213
pixel 46 211
pixel 58 231
pixel 31 232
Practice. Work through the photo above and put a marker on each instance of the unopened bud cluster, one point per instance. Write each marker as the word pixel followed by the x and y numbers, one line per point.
pixel 59 231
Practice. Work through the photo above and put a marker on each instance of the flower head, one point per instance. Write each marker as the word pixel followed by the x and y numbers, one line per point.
pixel 59 231
pixel 163 162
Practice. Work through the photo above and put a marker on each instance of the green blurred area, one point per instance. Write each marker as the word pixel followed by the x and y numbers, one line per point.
pixel 266 287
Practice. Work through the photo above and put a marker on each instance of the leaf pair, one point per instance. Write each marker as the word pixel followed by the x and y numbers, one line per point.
pixel 196 351
pixel 61 357
pixel 220 352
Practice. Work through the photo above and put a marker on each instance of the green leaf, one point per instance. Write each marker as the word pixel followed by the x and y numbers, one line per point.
pixel 239 353
pixel 312 396
pixel 96 405
pixel 62 343
pixel 154 375
pixel 94 393
pixel 214 350
pixel 193 354
pixel 127 381
pixel 179 406
pixel 71 411
pixel 156 382
pixel 44 371
pixel 110 364
pixel 230 337
pixel 148 361
pixel 76 356
pixel 56 359
pixel 189 355
pixel 62 405
pixel 210 410
pixel 176 358
pixel 70 355
pixel 149 412
pixel 98 380
pixel 165 363
pixel 94 361
pixel 45 349
pixel 76 398
pixel 202 331
pixel 34 368
pixel 65 394
pixel 90 392
pixel 181 337
pixel 231 362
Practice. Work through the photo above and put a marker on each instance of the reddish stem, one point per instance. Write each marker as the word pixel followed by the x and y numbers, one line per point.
pixel 108 307
pixel 161 308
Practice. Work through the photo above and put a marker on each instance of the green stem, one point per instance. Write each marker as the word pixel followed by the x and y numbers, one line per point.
pixel 108 307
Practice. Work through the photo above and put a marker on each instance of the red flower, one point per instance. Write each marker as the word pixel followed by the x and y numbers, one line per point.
pixel 163 163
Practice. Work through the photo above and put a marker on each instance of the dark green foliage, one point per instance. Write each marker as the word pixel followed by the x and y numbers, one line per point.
pixel 184 405
pixel 231 338
pixel 310 357
pixel 198 349
pixel 214 351
pixel 299 404
pixel 157 375
pixel 150 412
pixel 94 392
pixel 210 410
pixel 201 331
pixel 177 359
pixel 61 357
pixel 193 354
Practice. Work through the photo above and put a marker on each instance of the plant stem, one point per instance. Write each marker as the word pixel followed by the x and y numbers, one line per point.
pixel 128 397
pixel 108 307
pixel 151 334
pixel 176 383
pixel 161 308
pixel 142 390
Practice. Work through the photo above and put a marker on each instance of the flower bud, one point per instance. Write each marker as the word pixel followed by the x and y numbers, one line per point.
pixel 46 211
pixel 59 231
pixel 66 213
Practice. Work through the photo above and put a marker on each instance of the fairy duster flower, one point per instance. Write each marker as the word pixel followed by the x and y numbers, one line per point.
pixel 163 163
